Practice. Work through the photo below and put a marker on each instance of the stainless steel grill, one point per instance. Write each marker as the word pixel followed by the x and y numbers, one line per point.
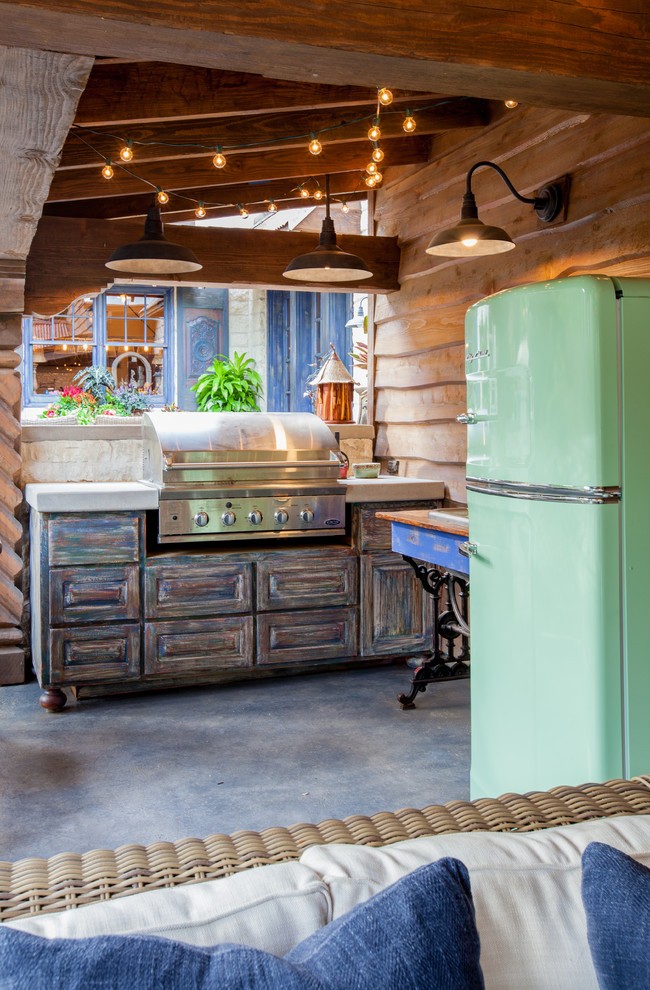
pixel 229 476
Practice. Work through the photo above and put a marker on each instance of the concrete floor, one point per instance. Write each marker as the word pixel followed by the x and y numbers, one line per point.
pixel 191 762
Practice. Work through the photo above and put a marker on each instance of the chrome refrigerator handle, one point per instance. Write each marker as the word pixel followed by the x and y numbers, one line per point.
pixel 468 549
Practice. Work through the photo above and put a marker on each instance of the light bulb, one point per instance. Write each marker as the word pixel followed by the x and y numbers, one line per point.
pixel 385 97
pixel 85 347
pixel 378 155
pixel 371 181
pixel 65 347
pixel 146 347
pixel 126 153
pixel 318 194
pixel 408 123
pixel 315 146
pixel 469 241
pixel 125 349
pixel 304 192
pixel 219 160
pixel 511 104
pixel 162 197
pixel 199 211
pixel 371 168
pixel 345 208
pixel 377 176
pixel 272 207
pixel 243 212
pixel 374 133
pixel 107 170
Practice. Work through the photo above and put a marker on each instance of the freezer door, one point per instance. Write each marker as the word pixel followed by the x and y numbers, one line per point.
pixel 542 384
pixel 545 635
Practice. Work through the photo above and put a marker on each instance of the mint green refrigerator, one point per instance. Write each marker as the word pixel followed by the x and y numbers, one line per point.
pixel 558 478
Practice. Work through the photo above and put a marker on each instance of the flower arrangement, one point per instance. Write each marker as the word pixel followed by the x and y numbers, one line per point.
pixel 101 396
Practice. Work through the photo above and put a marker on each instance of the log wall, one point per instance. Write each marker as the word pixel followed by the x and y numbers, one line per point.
pixel 419 331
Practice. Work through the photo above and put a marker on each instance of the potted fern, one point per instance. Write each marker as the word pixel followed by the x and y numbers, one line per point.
pixel 229 385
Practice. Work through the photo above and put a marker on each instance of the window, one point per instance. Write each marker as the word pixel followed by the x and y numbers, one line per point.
pixel 127 332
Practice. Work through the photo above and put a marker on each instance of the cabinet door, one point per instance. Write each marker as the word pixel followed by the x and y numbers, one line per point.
pixel 193 646
pixel 94 593
pixel 197 587
pixel 396 611
pixel 316 582
pixel 302 637
pixel 94 653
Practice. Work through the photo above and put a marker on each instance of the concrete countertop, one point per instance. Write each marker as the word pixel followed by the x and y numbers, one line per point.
pixel 389 488
pixel 92 496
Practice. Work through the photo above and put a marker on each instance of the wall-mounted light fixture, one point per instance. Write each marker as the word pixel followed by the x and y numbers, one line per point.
pixel 327 262
pixel 470 237
pixel 153 253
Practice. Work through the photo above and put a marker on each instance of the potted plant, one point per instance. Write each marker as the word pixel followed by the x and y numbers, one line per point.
pixel 229 385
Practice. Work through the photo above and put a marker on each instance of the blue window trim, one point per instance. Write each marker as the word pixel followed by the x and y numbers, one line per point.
pixel 34 400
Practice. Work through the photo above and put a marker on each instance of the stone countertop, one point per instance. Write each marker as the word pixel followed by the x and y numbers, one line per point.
pixel 443 520
pixel 390 488
pixel 90 496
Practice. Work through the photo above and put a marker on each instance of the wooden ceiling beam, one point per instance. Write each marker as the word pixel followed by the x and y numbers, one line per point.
pixel 167 142
pixel 259 193
pixel 589 56
pixel 67 258
pixel 189 216
pixel 200 174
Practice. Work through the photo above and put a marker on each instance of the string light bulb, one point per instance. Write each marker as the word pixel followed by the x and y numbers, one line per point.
pixel 200 210
pixel 243 212
pixel 315 146
pixel 65 347
pixel 409 124
pixel 126 153
pixel 344 207
pixel 374 133
pixel 370 180
pixel 272 206
pixel 377 176
pixel 107 170
pixel 219 159
pixel 125 349
pixel 146 347
pixel 318 193
pixel 385 97
pixel 304 193
pixel 511 104
pixel 371 168
pixel 162 196
pixel 377 154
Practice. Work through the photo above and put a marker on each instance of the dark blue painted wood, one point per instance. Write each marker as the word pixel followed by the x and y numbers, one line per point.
pixel 202 323
pixel 430 545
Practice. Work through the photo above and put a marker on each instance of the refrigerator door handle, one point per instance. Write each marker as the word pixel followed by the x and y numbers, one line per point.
pixel 468 549
pixel 467 418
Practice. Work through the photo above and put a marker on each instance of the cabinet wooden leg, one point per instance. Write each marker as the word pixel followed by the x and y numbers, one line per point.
pixel 53 699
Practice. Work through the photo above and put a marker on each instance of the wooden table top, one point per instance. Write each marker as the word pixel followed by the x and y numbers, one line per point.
pixel 444 520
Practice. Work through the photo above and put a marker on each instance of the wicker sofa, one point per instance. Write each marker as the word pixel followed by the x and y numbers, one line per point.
pixel 32 891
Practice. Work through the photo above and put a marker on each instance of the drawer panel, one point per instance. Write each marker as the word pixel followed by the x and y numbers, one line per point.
pixel 98 653
pixel 197 587
pixel 370 533
pixel 315 583
pixel 94 538
pixel 302 637
pixel 94 593
pixel 205 644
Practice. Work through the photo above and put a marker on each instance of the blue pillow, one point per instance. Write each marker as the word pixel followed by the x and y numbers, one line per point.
pixel 418 934
pixel 616 898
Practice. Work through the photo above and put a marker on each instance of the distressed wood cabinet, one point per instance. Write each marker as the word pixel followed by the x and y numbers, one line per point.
pixel 109 617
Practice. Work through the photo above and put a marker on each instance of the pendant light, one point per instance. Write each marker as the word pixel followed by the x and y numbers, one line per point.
pixel 153 254
pixel 327 262
pixel 470 237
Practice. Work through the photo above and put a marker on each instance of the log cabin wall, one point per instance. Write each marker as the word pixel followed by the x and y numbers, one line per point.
pixel 419 331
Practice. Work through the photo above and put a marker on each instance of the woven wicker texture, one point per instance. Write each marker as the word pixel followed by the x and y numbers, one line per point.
pixel 69 880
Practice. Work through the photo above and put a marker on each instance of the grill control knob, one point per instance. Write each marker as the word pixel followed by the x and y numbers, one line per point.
pixel 255 517
pixel 228 518
pixel 281 516
pixel 307 515
pixel 201 519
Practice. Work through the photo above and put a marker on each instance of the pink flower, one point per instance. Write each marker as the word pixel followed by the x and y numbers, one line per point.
pixel 108 412
pixel 50 413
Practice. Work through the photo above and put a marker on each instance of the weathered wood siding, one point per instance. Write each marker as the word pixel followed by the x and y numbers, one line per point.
pixel 419 331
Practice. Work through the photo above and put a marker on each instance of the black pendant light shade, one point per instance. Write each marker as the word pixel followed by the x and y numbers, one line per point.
pixel 327 262
pixel 153 254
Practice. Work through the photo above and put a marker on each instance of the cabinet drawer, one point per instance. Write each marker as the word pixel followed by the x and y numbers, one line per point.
pixel 204 644
pixel 94 593
pixel 397 614
pixel 94 538
pixel 315 583
pixel 370 533
pixel 302 637
pixel 197 587
pixel 97 653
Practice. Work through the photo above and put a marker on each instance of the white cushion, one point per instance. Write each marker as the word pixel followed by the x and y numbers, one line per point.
pixel 526 890
pixel 271 907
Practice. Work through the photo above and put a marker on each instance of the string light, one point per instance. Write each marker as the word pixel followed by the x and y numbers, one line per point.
pixel 371 168
pixel 125 349
pixel 374 133
pixel 370 181
pixel 146 347
pixel 409 124
pixel 85 347
pixel 345 208
pixel 385 97
pixel 303 192
pixel 65 347
pixel 107 170
pixel 200 210
pixel 315 146
pixel 126 153
pixel 511 104
pixel 377 176
pixel 162 196
pixel 272 207
pixel 243 212
pixel 219 160
pixel 318 193
pixel 378 154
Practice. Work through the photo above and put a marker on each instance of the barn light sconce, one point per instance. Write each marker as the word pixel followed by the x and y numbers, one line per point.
pixel 470 237
pixel 153 254
pixel 327 262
